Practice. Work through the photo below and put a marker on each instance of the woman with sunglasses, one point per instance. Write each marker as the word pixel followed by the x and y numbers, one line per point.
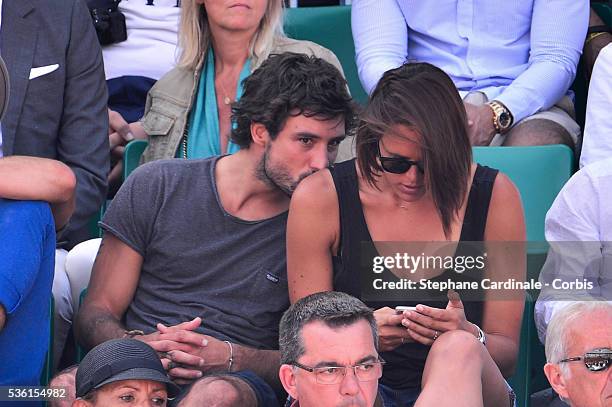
pixel 413 181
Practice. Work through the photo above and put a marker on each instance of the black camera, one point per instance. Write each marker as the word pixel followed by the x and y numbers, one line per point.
pixel 108 21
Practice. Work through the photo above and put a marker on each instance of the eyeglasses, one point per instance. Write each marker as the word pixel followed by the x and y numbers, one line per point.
pixel 596 360
pixel 398 165
pixel 364 372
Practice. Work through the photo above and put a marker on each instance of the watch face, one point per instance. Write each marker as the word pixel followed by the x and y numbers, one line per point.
pixel 504 119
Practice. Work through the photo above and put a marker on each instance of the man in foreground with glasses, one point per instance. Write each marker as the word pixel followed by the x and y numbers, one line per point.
pixel 578 350
pixel 320 337
pixel 329 353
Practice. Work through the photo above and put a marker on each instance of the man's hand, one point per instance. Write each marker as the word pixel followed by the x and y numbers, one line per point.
pixel 427 323
pixel 480 124
pixel 390 332
pixel 119 134
pixel 167 347
pixel 206 353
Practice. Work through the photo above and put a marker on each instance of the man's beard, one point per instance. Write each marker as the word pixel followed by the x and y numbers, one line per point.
pixel 277 175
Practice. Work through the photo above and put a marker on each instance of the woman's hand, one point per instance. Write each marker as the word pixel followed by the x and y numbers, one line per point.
pixel 391 334
pixel 426 324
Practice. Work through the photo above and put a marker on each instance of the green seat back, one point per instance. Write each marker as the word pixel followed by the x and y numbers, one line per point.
pixel 80 352
pixel 331 28
pixel 94 229
pixel 604 11
pixel 131 156
pixel 539 172
pixel 47 372
pixel 520 381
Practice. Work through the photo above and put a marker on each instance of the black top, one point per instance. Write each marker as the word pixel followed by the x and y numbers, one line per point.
pixel 405 364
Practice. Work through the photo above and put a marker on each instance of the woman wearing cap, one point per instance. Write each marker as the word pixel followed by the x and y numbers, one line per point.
pixel 413 181
pixel 122 372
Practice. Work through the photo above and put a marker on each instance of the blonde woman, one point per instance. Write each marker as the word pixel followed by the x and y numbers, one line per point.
pixel 188 111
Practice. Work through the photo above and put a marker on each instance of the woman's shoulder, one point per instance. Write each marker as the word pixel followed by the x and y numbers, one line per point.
pixel 178 82
pixel 285 44
pixel 317 189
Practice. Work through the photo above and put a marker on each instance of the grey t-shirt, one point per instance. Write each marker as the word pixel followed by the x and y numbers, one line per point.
pixel 198 259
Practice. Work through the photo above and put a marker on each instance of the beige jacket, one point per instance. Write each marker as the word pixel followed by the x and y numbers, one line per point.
pixel 169 101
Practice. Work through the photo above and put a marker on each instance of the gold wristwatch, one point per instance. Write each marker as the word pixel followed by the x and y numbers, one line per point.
pixel 502 117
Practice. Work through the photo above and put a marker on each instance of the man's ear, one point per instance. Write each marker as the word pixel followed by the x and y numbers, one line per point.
pixel 556 379
pixel 287 378
pixel 259 134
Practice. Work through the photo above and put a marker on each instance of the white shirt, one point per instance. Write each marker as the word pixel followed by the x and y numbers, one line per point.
pixel 597 141
pixel 523 53
pixel 150 48
pixel 579 230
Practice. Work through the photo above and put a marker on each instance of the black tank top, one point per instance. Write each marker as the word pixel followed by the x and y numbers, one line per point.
pixel 405 364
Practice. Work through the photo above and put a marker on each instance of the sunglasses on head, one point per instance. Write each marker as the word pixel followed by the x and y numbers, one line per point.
pixel 398 165
pixel 596 360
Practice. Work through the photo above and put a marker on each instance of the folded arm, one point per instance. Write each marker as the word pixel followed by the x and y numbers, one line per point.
pixel 381 39
pixel 39 179
pixel 556 45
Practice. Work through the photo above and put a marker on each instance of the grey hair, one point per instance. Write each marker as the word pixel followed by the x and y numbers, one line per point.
pixel 558 332
pixel 334 309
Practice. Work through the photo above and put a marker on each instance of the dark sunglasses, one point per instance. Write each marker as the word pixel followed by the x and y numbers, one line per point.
pixel 398 165
pixel 596 360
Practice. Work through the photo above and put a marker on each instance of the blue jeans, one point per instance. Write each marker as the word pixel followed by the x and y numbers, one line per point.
pixel 407 397
pixel 398 398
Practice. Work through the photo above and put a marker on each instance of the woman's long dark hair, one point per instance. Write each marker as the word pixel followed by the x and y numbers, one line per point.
pixel 423 98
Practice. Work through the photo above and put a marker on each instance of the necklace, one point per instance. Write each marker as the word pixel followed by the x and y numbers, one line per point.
pixel 226 99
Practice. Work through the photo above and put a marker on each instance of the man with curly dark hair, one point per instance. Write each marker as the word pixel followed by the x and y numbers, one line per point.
pixel 205 239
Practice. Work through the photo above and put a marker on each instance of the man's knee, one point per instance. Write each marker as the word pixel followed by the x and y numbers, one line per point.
pixel 79 263
pixel 65 378
pixel 220 391
pixel 538 132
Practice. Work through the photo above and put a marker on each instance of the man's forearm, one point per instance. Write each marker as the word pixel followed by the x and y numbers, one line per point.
pixel 265 363
pixel 37 179
pixel 96 325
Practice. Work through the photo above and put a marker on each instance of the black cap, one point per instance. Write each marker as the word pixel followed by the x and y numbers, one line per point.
pixel 121 359
pixel 4 88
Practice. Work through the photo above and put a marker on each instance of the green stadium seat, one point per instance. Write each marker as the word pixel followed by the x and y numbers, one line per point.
pixel 539 172
pixel 520 381
pixel 80 352
pixel 331 28
pixel 131 156
pixel 94 229
pixel 604 11
pixel 47 372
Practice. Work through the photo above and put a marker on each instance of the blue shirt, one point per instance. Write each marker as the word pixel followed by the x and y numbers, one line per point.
pixel 27 256
pixel 523 53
